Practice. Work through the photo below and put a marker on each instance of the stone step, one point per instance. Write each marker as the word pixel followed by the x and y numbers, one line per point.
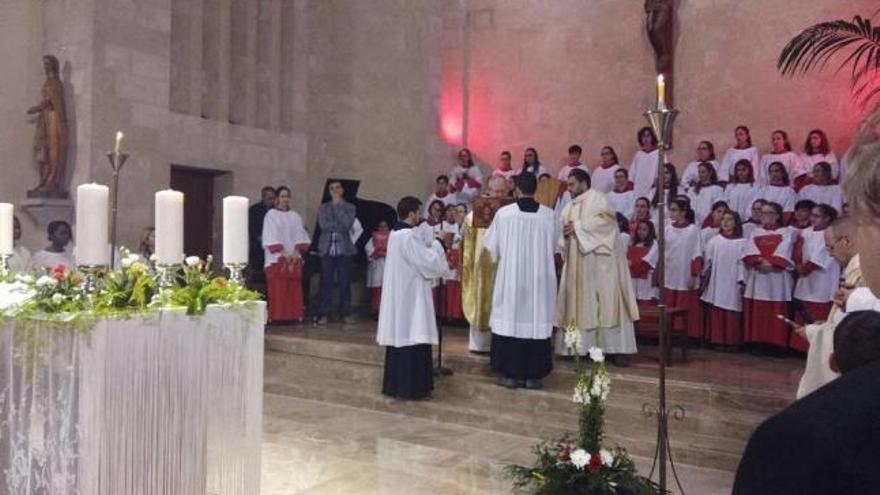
pixel 690 394
pixel 477 401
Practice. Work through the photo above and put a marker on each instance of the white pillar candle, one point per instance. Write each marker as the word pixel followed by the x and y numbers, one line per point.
pixel 6 229
pixel 92 209
pixel 235 230
pixel 169 227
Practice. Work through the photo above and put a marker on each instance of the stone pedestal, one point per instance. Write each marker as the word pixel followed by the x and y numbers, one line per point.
pixel 45 210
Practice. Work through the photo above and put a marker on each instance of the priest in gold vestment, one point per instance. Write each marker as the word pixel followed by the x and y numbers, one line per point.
pixel 478 274
pixel 595 290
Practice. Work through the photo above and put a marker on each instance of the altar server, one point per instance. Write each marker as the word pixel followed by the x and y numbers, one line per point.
pixel 741 191
pixel 780 153
pixel 643 168
pixel 451 238
pixel 704 192
pixel 779 191
pixel 603 176
pixel 642 255
pixel 743 150
pixel 285 240
pixel 574 161
pixel 712 225
pixel 691 175
pixel 622 195
pixel 595 291
pixel 817 149
pixel 726 274
pixel 376 249
pixel 684 264
pixel 467 178
pixel 442 192
pixel 768 258
pixel 522 241
pixel 56 253
pixel 822 189
pixel 818 272
pixel 407 323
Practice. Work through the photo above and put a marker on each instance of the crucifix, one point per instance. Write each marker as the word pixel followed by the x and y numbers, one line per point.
pixel 660 25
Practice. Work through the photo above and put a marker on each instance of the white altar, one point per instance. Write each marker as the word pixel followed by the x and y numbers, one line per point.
pixel 164 404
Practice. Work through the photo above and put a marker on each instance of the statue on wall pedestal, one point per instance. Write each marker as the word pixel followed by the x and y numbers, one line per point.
pixel 660 16
pixel 50 139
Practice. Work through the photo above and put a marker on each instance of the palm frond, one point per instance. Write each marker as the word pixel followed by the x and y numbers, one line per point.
pixel 814 47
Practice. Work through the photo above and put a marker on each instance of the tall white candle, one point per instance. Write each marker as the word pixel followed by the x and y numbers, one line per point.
pixel 235 230
pixel 169 227
pixel 6 229
pixel 92 208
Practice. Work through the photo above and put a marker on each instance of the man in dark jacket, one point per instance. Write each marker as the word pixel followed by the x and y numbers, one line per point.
pixel 829 441
pixel 256 257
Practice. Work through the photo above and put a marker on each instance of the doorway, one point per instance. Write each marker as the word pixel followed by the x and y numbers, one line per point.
pixel 197 186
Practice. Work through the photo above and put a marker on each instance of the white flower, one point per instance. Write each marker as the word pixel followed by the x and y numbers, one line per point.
pixel 154 257
pixel 607 457
pixel 192 260
pixel 46 281
pixel 57 298
pixel 580 458
pixel 25 279
pixel 572 339
pixel 128 259
pixel 601 386
pixel 597 355
pixel 581 394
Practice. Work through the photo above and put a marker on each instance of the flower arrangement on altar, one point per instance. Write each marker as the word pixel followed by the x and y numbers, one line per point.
pixel 583 465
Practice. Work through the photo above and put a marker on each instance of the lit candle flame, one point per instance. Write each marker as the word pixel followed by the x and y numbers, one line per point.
pixel 119 136
pixel 661 91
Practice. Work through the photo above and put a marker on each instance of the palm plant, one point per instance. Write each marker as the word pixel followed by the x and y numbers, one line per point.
pixel 857 40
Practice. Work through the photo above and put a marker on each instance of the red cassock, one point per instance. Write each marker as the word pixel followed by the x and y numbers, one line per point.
pixel 452 295
pixel 284 286
pixel 767 295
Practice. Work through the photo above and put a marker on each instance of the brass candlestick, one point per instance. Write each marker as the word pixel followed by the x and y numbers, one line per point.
pixel 117 160
pixel 235 270
pixel 661 120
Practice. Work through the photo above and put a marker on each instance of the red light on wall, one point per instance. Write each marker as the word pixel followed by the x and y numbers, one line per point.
pixel 450 127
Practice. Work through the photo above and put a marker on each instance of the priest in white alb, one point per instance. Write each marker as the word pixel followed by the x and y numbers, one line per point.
pixel 522 240
pixel 595 291
pixel 407 322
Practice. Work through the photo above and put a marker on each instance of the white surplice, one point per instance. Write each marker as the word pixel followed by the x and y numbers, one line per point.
pixel 703 200
pixel 47 259
pixel 284 228
pixel 723 263
pixel 624 202
pixel 406 316
pixel 692 174
pixel 467 193
pixel 819 285
pixel 775 285
pixel 682 249
pixel 728 164
pixel 602 179
pixel 447 199
pixel 788 159
pixel 831 159
pixel 644 288
pixel 831 195
pixel 643 172
pixel 524 297
pixel 740 196
pixel 784 196
pixel 375 266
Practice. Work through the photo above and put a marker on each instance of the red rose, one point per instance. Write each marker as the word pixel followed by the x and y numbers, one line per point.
pixel 565 453
pixel 595 463
pixel 59 269
pixel 59 276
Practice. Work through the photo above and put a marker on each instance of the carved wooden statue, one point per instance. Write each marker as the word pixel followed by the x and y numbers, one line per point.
pixel 50 139
pixel 660 24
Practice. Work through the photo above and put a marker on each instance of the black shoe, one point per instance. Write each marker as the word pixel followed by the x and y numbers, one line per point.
pixel 508 383
pixel 534 384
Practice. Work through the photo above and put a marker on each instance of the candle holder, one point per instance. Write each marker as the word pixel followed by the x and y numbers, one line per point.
pixel 117 160
pixel 4 264
pixel 166 275
pixel 90 277
pixel 235 272
pixel 661 120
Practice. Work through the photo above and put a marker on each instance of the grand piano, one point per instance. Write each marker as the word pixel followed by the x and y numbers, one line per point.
pixel 369 214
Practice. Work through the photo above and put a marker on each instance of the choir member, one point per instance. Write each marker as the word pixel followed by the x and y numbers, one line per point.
pixel 817 150
pixel 467 178
pixel 603 175
pixel 622 195
pixel 684 260
pixel 671 186
pixel 691 175
pixel 20 262
pixel 803 211
pixel 822 189
pixel 477 275
pixel 452 284
pixel 841 241
pixel 532 164
pixel 407 323
pixel 712 225
pixel 442 192
pixel 726 274
pixel 778 190
pixel 436 214
pixel 818 272
pixel 504 168
pixel 643 168
pixel 56 253
pixel 284 241
pixel 574 161
pixel 522 241
pixel 742 190
pixel 768 258
pixel 756 219
pixel 705 192
pixel 780 153
pixel 376 249
pixel 642 255
pixel 641 211
pixel 595 289
pixel 742 150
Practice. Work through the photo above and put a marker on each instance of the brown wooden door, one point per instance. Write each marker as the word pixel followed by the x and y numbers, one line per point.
pixel 197 187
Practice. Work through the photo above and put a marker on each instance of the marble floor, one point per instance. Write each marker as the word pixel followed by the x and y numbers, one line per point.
pixel 312 447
